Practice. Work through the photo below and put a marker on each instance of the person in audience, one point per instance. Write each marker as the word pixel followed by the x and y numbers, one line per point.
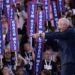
pixel 20 16
pixel 29 55
pixel 70 11
pixel 48 63
pixel 7 58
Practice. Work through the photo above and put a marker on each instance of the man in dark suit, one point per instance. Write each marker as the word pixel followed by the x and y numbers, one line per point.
pixel 66 38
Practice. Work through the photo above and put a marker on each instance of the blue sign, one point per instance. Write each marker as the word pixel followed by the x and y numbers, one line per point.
pixel 13 31
pixel 1 36
pixel 47 9
pixel 60 6
pixel 55 13
pixel 11 13
pixel 31 17
pixel 14 36
pixel 40 29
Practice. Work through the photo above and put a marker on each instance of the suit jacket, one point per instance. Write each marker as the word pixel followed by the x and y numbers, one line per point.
pixel 66 44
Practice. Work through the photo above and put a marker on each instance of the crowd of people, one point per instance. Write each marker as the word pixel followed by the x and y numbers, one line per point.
pixel 51 60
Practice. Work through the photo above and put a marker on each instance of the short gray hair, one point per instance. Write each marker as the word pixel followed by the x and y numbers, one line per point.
pixel 65 21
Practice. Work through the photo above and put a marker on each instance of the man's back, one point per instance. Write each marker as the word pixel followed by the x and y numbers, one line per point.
pixel 66 44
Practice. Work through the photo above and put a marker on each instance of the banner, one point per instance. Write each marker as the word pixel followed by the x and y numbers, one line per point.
pixel 14 36
pixel 7 7
pixel 60 4
pixel 55 13
pixel 39 46
pixel 12 27
pixel 13 30
pixel 1 36
pixel 31 17
pixel 47 9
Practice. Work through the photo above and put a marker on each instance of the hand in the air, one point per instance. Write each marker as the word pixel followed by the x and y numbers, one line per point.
pixel 36 35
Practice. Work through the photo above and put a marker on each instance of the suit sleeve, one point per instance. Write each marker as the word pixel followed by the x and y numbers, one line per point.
pixel 54 35
pixel 60 35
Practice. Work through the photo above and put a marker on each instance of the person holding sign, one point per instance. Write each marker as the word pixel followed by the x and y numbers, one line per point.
pixel 66 39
